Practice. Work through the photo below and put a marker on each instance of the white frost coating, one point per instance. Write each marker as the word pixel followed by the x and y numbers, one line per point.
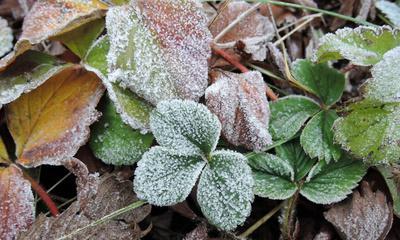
pixel 6 37
pixel 225 189
pixel 391 10
pixel 17 211
pixel 166 177
pixel 384 86
pixel 185 126
pixel 240 102
pixel 159 49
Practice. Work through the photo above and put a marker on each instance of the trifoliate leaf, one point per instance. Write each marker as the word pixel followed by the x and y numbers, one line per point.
pixel 273 176
pixel 29 71
pixel 241 105
pixel 363 45
pixel 296 157
pixel 185 126
pixel 6 37
pixel 116 143
pixel 333 181
pixel 320 79
pixel 317 137
pixel 159 49
pixel 391 10
pixel 134 110
pixel 371 130
pixel 166 177
pixel 288 114
pixel 225 190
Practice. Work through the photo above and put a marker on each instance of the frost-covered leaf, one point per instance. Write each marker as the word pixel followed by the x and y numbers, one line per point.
pixel 367 216
pixel 288 114
pixel 320 79
pixel 16 206
pixel 390 9
pixel 329 183
pixel 159 49
pixel 371 131
pixel 254 38
pixel 317 137
pixel 225 190
pixel 116 143
pixel 50 123
pixel 29 71
pixel 166 177
pixel 240 102
pixel 111 195
pixel 199 233
pixel 384 85
pixel 6 37
pixel 391 176
pixel 273 176
pixel 185 126
pixel 363 45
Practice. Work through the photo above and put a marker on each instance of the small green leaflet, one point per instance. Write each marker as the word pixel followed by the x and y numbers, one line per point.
pixel 325 183
pixel 288 114
pixel 363 45
pixel 116 143
pixel 188 134
pixel 323 81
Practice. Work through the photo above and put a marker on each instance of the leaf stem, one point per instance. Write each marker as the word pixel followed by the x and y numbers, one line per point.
pixel 262 220
pixel 288 217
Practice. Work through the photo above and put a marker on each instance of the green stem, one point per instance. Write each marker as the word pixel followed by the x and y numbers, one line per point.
pixel 106 218
pixel 288 217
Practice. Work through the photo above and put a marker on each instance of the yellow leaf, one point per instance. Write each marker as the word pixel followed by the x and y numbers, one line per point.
pixel 3 152
pixel 50 123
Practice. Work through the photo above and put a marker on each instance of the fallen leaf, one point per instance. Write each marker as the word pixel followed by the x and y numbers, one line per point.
pixel 111 195
pixel 50 123
pixel 199 233
pixel 346 8
pixel 240 102
pixel 366 216
pixel 16 206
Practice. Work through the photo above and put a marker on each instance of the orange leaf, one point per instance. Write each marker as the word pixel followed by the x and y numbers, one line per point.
pixel 50 123
pixel 16 202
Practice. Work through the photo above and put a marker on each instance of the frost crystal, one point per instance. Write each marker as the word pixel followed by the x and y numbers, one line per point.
pixel 241 105
pixel 6 37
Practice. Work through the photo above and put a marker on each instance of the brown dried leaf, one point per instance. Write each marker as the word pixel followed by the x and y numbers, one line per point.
pixel 199 233
pixel 110 196
pixel 241 105
pixel 253 31
pixel 16 202
pixel 366 216
pixel 346 8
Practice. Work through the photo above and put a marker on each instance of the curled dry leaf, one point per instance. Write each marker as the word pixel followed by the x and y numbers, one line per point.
pixel 50 123
pixel 366 216
pixel 253 31
pixel 241 105
pixel 111 195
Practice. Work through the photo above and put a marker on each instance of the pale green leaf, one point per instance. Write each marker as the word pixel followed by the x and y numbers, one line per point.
pixel 391 10
pixel 288 114
pixel 185 126
pixel 363 45
pixel 225 190
pixel 317 137
pixel 166 177
pixel 116 143
pixel 325 82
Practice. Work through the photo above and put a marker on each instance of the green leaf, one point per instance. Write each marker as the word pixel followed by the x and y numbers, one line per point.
pixel 80 39
pixel 225 190
pixel 297 158
pixel 185 126
pixel 288 114
pixel 333 182
pixel 116 143
pixel 392 183
pixel 391 10
pixel 29 71
pixel 273 176
pixel 325 82
pixel 363 45
pixel 166 177
pixel 317 137
pixel 134 110
pixel 371 131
